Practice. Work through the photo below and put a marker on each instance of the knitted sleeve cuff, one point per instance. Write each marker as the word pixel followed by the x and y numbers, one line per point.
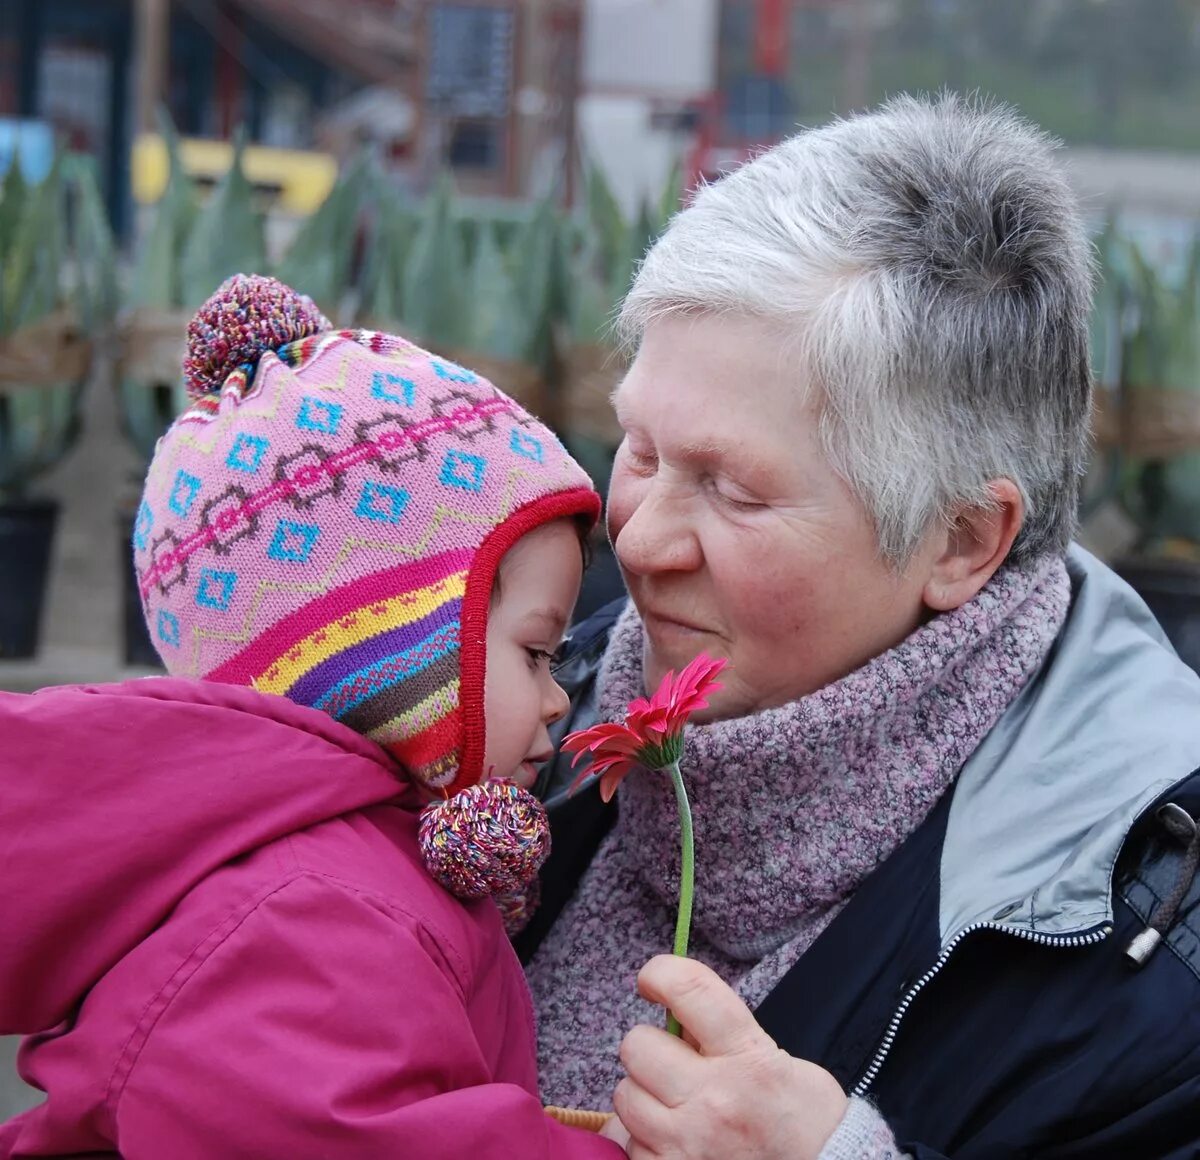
pixel 863 1134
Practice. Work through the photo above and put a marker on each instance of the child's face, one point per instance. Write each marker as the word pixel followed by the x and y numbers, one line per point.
pixel 539 584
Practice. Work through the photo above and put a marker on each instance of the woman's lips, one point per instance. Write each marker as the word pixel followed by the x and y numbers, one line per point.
pixel 659 624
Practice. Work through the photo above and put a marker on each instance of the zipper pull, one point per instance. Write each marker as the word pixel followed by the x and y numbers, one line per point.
pixel 1183 828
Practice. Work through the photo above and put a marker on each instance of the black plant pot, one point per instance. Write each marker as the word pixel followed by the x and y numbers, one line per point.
pixel 26 536
pixel 1172 590
pixel 136 639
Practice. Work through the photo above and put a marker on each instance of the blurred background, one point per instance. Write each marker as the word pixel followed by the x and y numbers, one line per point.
pixel 483 177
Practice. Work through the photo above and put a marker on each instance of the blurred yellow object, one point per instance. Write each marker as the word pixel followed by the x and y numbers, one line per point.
pixel 1176 548
pixel 296 181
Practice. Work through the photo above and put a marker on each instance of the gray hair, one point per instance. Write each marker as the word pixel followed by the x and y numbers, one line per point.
pixel 927 266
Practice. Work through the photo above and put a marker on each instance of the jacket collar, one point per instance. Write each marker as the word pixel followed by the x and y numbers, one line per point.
pixel 1040 812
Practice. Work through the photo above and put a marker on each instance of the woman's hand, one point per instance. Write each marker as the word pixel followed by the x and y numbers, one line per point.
pixel 615 1131
pixel 727 1092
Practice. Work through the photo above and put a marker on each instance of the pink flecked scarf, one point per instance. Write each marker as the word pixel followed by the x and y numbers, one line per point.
pixel 793 808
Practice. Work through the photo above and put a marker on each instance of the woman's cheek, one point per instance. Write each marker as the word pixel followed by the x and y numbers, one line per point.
pixel 623 497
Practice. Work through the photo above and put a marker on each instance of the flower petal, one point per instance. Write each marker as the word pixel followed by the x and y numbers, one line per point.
pixel 613 778
pixel 651 726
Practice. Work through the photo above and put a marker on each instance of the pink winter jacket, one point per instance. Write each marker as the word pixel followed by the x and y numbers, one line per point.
pixel 217 935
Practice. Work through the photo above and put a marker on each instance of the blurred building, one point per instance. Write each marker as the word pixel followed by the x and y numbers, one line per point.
pixel 513 95
pixel 486 87
pixel 271 65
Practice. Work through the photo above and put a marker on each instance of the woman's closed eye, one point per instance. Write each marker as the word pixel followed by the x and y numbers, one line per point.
pixel 732 495
pixel 642 461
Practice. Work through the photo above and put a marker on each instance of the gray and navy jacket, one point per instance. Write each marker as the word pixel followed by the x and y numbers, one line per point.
pixel 979 985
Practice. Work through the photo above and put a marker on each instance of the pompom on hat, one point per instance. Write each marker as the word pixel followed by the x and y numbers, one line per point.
pixel 246 317
pixel 326 520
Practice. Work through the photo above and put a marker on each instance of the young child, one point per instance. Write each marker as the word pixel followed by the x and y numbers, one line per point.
pixel 220 932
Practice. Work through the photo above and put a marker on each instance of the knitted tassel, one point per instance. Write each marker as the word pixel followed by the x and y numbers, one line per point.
pixel 490 838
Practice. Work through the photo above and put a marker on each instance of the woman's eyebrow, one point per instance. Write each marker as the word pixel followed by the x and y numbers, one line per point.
pixel 736 457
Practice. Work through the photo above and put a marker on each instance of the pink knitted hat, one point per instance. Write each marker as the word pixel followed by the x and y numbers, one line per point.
pixel 325 522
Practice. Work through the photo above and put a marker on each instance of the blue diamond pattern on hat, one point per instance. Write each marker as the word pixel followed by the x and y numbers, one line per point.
pixel 183 493
pixel 384 504
pixel 453 373
pixel 247 452
pixel 462 470
pixel 168 628
pixel 393 388
pixel 526 445
pixel 215 589
pixel 318 415
pixel 142 526
pixel 293 542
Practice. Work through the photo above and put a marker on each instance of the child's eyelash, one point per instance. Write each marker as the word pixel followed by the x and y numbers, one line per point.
pixel 540 654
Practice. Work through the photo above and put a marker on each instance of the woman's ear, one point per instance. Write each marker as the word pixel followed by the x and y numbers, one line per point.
pixel 977 542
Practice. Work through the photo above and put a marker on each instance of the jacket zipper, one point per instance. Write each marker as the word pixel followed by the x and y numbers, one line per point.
pixel 889 1037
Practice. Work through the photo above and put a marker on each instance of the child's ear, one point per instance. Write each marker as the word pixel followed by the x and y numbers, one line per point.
pixel 977 542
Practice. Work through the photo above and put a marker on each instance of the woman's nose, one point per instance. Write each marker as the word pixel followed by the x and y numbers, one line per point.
pixel 656 538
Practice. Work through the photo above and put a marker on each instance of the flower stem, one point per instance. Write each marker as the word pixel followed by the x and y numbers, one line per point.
pixel 687 876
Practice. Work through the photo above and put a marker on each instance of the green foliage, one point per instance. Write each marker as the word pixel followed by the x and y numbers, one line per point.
pixel 498 322
pixel 96 290
pixel 539 285
pixel 1161 361
pixel 393 226
pixel 606 225
pixel 34 263
pixel 319 260
pixel 228 237
pixel 435 276
pixel 38 425
pixel 158 272
pixel 56 254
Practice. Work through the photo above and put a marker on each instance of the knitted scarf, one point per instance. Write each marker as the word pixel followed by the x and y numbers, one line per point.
pixel 793 808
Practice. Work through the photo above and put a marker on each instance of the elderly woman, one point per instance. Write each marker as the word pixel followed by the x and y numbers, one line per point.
pixel 944 806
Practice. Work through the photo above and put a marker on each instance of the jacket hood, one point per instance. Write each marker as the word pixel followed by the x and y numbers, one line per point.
pixel 1109 725
pixel 118 799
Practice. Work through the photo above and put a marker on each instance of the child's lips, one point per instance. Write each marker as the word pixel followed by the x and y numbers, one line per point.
pixel 526 774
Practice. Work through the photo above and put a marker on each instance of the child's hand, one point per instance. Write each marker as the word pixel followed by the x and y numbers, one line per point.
pixel 615 1131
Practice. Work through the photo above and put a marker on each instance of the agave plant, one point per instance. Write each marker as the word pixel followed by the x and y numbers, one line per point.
pixel 228 237
pixel 44 347
pixel 1107 325
pixel 389 239
pixel 498 324
pixel 1161 381
pixel 158 273
pixel 148 379
pixel 602 262
pixel 320 259
pixel 95 252
pixel 435 286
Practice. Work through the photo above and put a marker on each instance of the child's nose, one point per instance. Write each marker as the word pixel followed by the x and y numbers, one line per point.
pixel 556 704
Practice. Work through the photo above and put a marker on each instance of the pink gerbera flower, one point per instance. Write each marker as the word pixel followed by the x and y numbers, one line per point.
pixel 652 734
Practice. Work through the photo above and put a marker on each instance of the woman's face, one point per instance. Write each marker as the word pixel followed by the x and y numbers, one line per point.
pixel 734 535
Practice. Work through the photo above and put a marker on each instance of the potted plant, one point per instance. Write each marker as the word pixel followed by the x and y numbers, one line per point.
pixel 1158 444
pixel 57 289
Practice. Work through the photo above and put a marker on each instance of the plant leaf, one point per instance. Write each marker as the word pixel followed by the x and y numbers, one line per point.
pixel 319 259
pixel 228 237
pixel 435 275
